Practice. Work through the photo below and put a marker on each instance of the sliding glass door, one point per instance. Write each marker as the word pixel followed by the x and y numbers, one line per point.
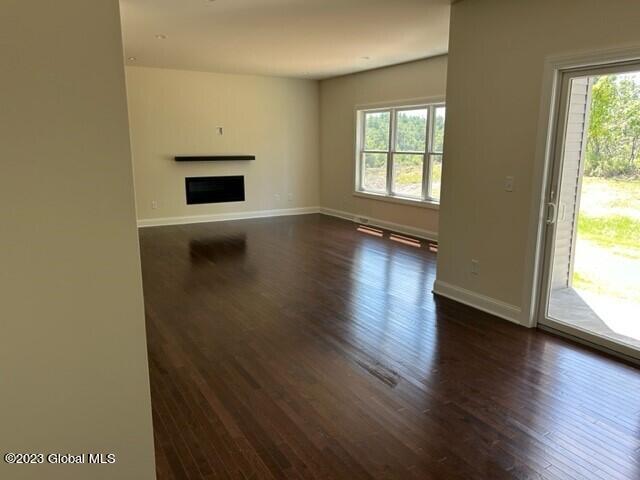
pixel 591 281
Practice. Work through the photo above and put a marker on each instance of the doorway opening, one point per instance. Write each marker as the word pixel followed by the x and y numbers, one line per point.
pixel 592 253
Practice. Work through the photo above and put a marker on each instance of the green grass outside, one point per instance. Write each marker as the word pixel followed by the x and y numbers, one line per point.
pixel 618 233
pixel 582 282
pixel 609 219
pixel 610 215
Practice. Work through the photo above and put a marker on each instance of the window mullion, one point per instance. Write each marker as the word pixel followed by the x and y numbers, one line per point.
pixel 426 167
pixel 362 121
pixel 391 150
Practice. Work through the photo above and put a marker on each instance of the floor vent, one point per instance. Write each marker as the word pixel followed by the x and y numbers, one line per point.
pixel 370 231
pixel 412 242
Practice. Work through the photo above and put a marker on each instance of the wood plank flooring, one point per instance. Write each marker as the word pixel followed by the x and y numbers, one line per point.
pixel 299 348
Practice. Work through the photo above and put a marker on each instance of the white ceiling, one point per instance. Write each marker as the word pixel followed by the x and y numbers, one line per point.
pixel 290 38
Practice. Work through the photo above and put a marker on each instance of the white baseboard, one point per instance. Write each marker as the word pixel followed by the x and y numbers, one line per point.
pixel 221 217
pixel 396 227
pixel 476 300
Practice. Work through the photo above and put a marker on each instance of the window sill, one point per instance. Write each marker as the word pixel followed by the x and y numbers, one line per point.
pixel 398 200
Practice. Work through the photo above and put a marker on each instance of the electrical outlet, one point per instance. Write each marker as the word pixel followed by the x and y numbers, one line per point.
pixel 154 204
pixel 277 196
pixel 475 267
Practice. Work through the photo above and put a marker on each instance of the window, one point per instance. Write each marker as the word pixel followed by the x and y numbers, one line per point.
pixel 400 152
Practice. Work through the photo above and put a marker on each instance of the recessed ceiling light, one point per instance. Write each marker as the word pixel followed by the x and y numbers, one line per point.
pixel 132 59
pixel 365 58
pixel 160 36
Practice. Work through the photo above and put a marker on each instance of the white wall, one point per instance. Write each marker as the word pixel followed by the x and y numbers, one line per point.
pixel 177 112
pixel 72 344
pixel 497 54
pixel 339 99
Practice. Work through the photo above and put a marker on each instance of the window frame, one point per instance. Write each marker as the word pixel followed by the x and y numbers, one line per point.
pixel 426 198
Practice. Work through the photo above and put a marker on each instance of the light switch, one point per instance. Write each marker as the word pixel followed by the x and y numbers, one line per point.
pixel 475 267
pixel 509 184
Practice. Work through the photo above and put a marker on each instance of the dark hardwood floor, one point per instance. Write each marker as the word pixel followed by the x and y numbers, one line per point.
pixel 297 347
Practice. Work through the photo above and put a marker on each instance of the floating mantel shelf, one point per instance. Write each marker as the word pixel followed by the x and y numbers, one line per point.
pixel 212 158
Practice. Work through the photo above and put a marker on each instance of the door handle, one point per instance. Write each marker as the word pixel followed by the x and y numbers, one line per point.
pixel 552 213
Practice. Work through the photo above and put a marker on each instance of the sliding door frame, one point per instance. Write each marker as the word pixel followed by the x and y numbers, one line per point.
pixel 558 72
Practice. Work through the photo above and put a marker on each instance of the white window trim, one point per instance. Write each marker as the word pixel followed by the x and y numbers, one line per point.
pixel 431 104
pixel 414 202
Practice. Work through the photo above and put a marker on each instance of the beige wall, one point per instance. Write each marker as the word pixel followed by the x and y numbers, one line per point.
pixel 177 112
pixel 339 99
pixel 72 343
pixel 497 55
